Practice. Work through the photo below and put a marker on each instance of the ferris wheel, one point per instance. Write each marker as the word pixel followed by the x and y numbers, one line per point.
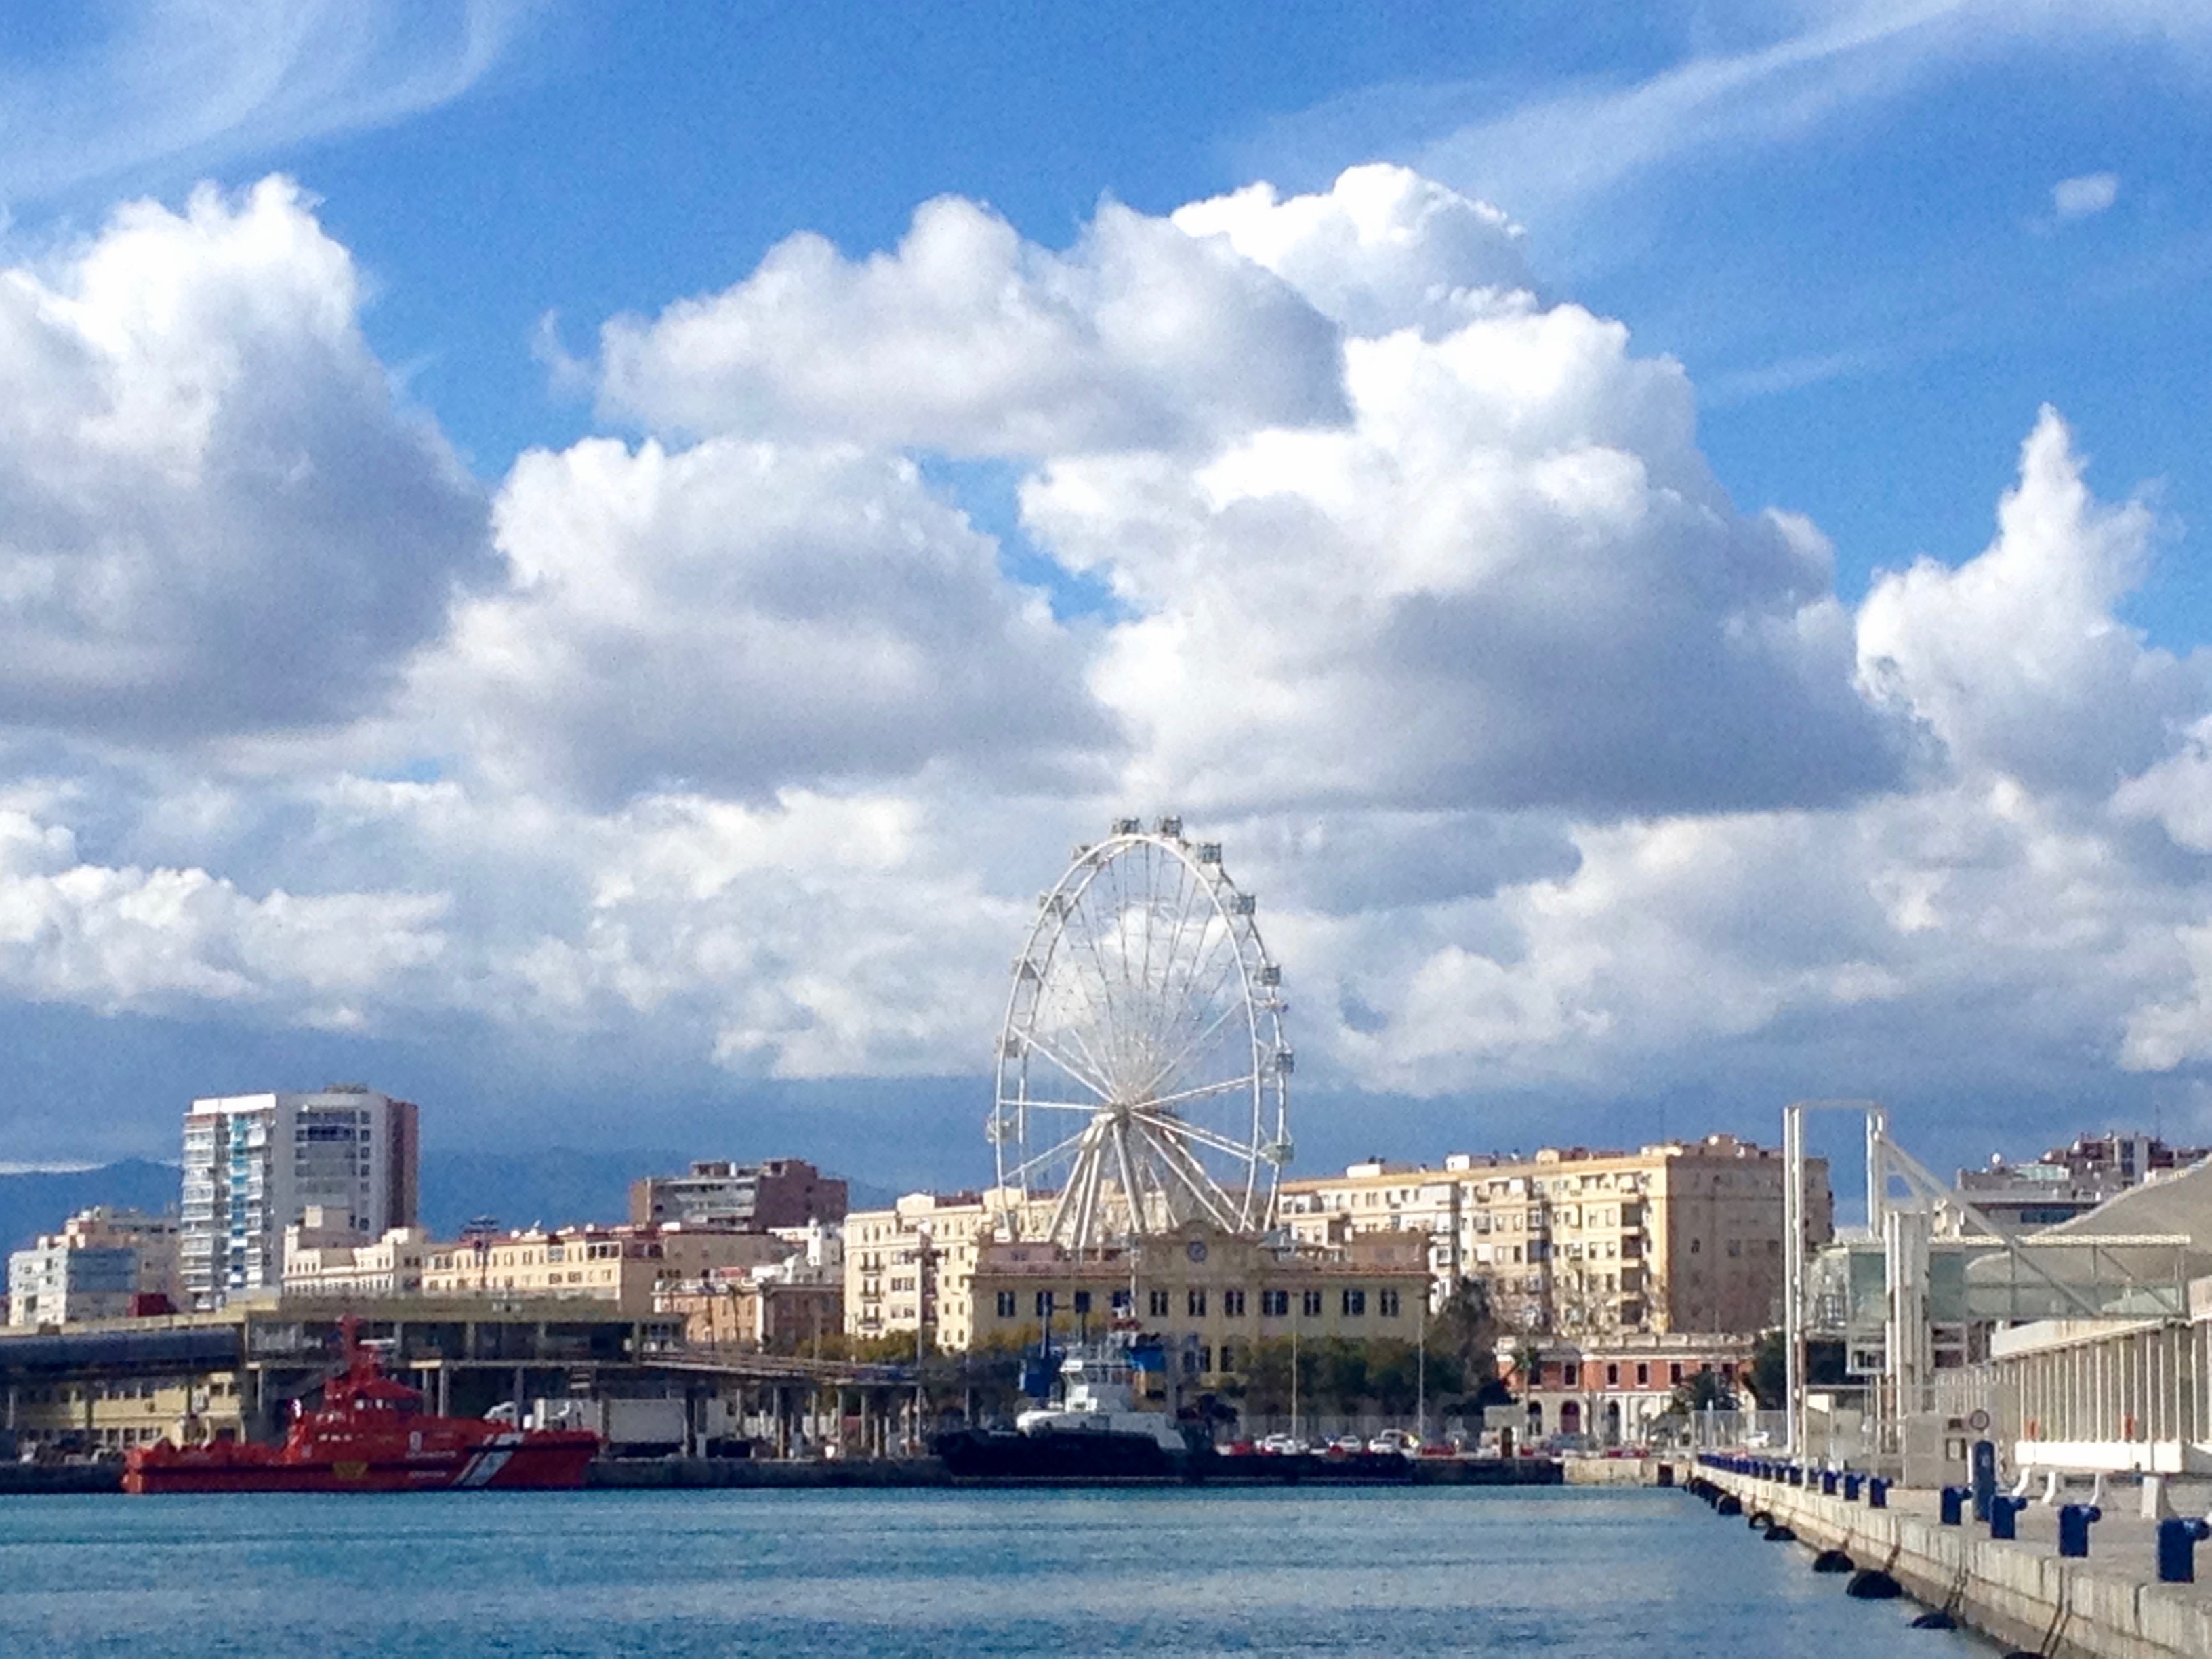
pixel 1143 1079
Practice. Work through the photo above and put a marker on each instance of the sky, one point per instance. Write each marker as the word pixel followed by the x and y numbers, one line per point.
pixel 587 565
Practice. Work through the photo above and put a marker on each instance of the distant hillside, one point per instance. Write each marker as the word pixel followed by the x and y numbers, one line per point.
pixel 555 1185
pixel 39 1201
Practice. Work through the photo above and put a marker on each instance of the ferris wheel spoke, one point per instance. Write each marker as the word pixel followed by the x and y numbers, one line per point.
pixel 1203 1091
pixel 1232 961
pixel 1190 1175
pixel 1019 1175
pixel 1075 1072
pixel 1167 1068
pixel 1088 1107
pixel 1184 1130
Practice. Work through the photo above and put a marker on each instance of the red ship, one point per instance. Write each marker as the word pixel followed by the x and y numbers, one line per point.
pixel 370 1434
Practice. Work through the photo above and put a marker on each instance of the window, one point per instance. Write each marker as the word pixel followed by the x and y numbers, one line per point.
pixel 1274 1304
pixel 1571 1375
pixel 1388 1304
pixel 1083 1302
pixel 1228 1356
pixel 1355 1305
pixel 1158 1304
pixel 1232 1307
pixel 1309 1303
pixel 1044 1304
pixel 1120 1302
pixel 1643 1373
pixel 1197 1304
pixel 1005 1304
pixel 1696 1244
pixel 1612 1375
pixel 1674 1372
pixel 1735 1246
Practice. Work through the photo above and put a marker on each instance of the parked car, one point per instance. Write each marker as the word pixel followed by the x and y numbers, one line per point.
pixel 1395 1440
pixel 1282 1446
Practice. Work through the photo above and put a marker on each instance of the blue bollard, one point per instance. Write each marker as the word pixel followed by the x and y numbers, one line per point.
pixel 1953 1500
pixel 1984 1477
pixel 1852 1480
pixel 2178 1539
pixel 2004 1513
pixel 1796 1475
pixel 1878 1493
pixel 1828 1483
pixel 2073 1521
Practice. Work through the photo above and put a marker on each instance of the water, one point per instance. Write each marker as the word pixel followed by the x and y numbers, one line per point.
pixel 1439 1571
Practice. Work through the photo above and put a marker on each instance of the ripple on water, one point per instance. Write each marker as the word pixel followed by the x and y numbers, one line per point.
pixel 588 1574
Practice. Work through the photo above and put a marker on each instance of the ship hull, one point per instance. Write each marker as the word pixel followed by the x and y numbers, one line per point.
pixel 979 1454
pixel 536 1461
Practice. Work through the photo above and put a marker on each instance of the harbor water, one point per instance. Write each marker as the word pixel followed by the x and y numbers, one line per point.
pixel 1382 1570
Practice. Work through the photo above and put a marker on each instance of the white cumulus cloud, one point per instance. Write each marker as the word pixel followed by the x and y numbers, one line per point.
pixel 213 518
pixel 969 340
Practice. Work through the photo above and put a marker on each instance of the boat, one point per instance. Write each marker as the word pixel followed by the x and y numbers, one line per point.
pixel 370 1434
pixel 1095 1431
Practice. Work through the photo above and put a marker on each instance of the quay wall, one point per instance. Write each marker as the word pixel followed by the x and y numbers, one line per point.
pixel 2020 1594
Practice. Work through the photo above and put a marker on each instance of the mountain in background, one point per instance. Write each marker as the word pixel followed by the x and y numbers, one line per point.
pixel 555 1185
pixel 34 1201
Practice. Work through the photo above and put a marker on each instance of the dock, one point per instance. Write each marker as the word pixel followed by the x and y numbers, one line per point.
pixel 2023 1593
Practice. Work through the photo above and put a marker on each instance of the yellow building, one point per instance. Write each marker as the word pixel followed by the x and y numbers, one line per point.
pixel 627 1266
pixel 85 1414
pixel 1676 1237
pixel 1209 1296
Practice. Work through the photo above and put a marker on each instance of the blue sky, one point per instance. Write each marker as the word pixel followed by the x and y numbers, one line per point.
pixel 1878 237
pixel 1872 301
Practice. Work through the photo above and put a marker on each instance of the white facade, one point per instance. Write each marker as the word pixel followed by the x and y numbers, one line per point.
pixel 255 1163
pixel 320 1261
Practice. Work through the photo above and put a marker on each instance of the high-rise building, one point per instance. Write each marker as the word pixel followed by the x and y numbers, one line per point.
pixel 254 1165
pixel 783 1192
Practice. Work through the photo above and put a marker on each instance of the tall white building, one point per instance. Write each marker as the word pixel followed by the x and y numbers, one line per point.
pixel 254 1165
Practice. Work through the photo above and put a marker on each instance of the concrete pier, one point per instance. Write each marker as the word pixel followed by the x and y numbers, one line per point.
pixel 2022 1593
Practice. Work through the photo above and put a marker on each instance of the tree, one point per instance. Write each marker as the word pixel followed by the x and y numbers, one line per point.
pixel 1769 1379
pixel 1466 1328
pixel 1706 1390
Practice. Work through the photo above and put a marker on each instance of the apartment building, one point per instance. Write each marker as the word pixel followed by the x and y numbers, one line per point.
pixel 104 1264
pixel 916 1258
pixel 627 1266
pixel 1680 1236
pixel 323 1258
pixel 2071 1181
pixel 1210 1296
pixel 783 1192
pixel 254 1165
